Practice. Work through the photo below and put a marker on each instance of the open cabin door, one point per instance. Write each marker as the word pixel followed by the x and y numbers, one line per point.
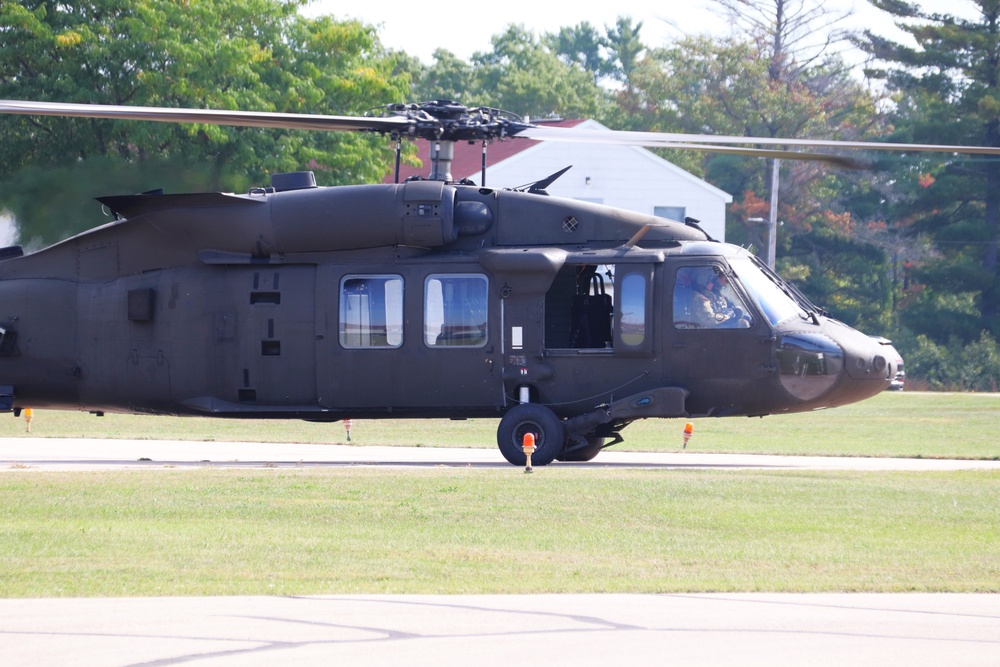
pixel 599 340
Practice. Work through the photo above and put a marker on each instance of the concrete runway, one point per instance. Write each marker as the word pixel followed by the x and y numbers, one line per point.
pixel 445 631
pixel 92 454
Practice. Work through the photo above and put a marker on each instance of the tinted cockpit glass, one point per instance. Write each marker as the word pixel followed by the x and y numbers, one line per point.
pixel 704 299
pixel 776 305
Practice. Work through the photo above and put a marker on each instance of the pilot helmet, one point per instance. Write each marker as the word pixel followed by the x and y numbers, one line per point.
pixel 704 277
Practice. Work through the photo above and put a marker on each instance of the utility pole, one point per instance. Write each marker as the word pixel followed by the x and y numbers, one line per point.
pixel 772 222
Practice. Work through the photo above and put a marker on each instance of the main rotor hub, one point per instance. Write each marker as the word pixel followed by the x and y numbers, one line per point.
pixel 447 120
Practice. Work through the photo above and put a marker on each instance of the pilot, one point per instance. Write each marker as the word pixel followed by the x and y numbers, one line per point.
pixel 695 306
pixel 707 308
pixel 727 301
pixel 704 299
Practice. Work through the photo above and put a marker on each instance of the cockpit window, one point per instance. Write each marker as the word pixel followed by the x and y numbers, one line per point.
pixel 776 305
pixel 704 299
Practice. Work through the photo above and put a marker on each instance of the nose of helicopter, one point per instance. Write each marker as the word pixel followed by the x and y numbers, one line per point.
pixel 833 366
pixel 865 359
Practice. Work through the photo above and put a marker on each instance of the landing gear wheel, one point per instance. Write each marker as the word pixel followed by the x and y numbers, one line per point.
pixel 587 453
pixel 530 418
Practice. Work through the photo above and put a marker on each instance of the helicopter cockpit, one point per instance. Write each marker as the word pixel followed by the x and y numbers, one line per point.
pixel 732 316
pixel 812 353
pixel 777 301
pixel 704 298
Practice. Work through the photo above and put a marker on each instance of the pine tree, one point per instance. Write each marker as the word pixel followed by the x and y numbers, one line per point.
pixel 947 90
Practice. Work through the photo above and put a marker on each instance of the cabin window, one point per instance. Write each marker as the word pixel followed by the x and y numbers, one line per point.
pixel 633 309
pixel 455 310
pixel 705 299
pixel 371 311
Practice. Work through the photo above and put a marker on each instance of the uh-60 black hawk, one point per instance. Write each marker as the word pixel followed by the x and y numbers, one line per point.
pixel 427 298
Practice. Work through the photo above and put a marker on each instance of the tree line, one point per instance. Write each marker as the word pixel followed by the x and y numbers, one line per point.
pixel 906 249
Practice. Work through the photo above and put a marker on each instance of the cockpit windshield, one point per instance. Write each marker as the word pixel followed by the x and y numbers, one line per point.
pixel 776 304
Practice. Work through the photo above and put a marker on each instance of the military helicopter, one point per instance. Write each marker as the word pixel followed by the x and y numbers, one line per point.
pixel 427 298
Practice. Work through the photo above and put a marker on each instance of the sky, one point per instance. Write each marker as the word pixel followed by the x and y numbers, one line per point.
pixel 418 28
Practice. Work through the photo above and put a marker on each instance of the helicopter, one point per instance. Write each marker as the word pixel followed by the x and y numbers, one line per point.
pixel 565 319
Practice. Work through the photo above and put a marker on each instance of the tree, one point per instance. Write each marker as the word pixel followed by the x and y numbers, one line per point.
pixel 448 78
pixel 769 82
pixel 626 49
pixel 946 90
pixel 584 46
pixel 521 74
pixel 713 86
pixel 239 54
pixel 615 54
pixel 795 34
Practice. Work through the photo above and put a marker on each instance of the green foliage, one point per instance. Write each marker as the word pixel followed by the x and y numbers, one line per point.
pixel 730 86
pixel 447 78
pixel 955 365
pixel 625 48
pixel 584 46
pixel 725 86
pixel 522 74
pixel 848 278
pixel 555 75
pixel 235 54
pixel 945 91
pixel 59 200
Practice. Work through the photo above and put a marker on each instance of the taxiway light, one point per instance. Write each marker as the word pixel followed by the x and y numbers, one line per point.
pixel 688 432
pixel 528 445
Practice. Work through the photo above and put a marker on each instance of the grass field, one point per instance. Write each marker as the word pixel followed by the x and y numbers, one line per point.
pixel 891 424
pixel 495 530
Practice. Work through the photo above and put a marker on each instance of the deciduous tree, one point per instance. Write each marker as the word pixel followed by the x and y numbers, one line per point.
pixel 237 54
pixel 521 73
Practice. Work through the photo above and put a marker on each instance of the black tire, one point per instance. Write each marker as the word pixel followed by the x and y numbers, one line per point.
pixel 530 418
pixel 593 448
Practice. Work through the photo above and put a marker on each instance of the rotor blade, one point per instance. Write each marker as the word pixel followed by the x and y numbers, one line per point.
pixel 670 140
pixel 210 116
pixel 431 127
pixel 836 160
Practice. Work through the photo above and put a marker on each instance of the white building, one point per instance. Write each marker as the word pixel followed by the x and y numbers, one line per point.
pixel 627 177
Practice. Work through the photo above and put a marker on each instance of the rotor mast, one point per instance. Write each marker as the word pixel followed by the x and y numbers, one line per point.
pixel 445 122
pixel 442 155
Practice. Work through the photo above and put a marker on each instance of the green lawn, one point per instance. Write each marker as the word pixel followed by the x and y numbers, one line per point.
pixel 494 530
